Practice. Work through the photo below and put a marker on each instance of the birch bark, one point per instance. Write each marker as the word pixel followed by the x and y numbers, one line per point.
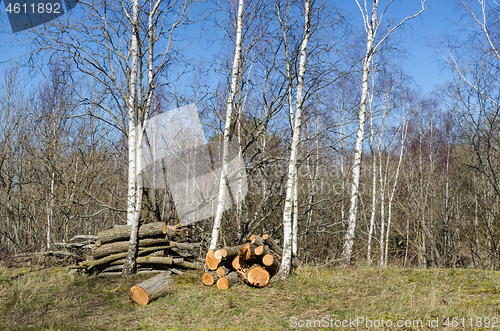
pixel 292 165
pixel 227 129
pixel 371 28
pixel 133 196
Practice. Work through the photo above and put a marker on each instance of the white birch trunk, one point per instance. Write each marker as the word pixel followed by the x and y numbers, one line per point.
pixel 292 166
pixel 129 266
pixel 50 211
pixel 226 138
pixel 391 198
pixel 374 195
pixel 383 181
pixel 295 225
pixel 371 28
pixel 358 149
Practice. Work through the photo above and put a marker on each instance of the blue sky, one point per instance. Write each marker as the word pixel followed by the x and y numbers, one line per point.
pixel 424 64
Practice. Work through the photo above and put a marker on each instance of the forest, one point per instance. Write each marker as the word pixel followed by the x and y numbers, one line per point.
pixel 347 160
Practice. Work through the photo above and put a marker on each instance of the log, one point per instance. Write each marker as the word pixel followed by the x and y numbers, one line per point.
pixel 262 250
pixel 254 239
pixel 152 288
pixel 162 260
pixel 239 264
pixel 247 253
pixel 122 246
pixel 227 281
pixel 273 246
pixel 222 271
pixel 185 245
pixel 257 276
pixel 180 253
pixel 70 245
pixel 122 233
pixel 230 252
pixel 209 278
pixel 272 263
pixel 114 257
pixel 211 260
pixel 139 272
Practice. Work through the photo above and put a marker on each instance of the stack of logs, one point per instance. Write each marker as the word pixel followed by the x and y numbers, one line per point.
pixel 157 250
pixel 253 263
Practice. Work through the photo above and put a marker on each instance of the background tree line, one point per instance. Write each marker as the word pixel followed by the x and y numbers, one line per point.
pixel 428 185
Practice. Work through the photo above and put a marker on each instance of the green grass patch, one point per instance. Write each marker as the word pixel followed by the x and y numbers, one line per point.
pixel 53 299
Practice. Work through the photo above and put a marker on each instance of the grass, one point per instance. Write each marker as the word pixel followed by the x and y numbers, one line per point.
pixel 53 299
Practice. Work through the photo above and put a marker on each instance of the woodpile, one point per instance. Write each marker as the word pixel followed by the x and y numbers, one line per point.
pixel 161 248
pixel 253 263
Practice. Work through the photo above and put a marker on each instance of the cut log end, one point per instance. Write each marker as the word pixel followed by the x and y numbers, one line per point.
pixel 138 295
pixel 211 260
pixel 229 280
pixel 268 260
pixel 221 271
pixel 218 254
pixel 208 279
pixel 259 250
pixel 223 283
pixel 258 276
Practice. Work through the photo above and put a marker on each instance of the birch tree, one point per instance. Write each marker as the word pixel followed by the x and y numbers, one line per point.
pixel 227 129
pixel 391 197
pixel 292 165
pixel 125 48
pixel 372 23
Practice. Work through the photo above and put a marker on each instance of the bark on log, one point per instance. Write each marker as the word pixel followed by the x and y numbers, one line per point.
pixel 185 245
pixel 257 240
pixel 257 276
pixel 230 252
pixel 163 260
pixel 227 281
pixel 152 288
pixel 211 261
pixel 114 257
pixel 122 246
pixel 122 233
pixel 273 246
pixel 209 278
pixel 180 253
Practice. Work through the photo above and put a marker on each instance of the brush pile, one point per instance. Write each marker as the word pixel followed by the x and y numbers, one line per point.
pixel 253 263
pixel 161 247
